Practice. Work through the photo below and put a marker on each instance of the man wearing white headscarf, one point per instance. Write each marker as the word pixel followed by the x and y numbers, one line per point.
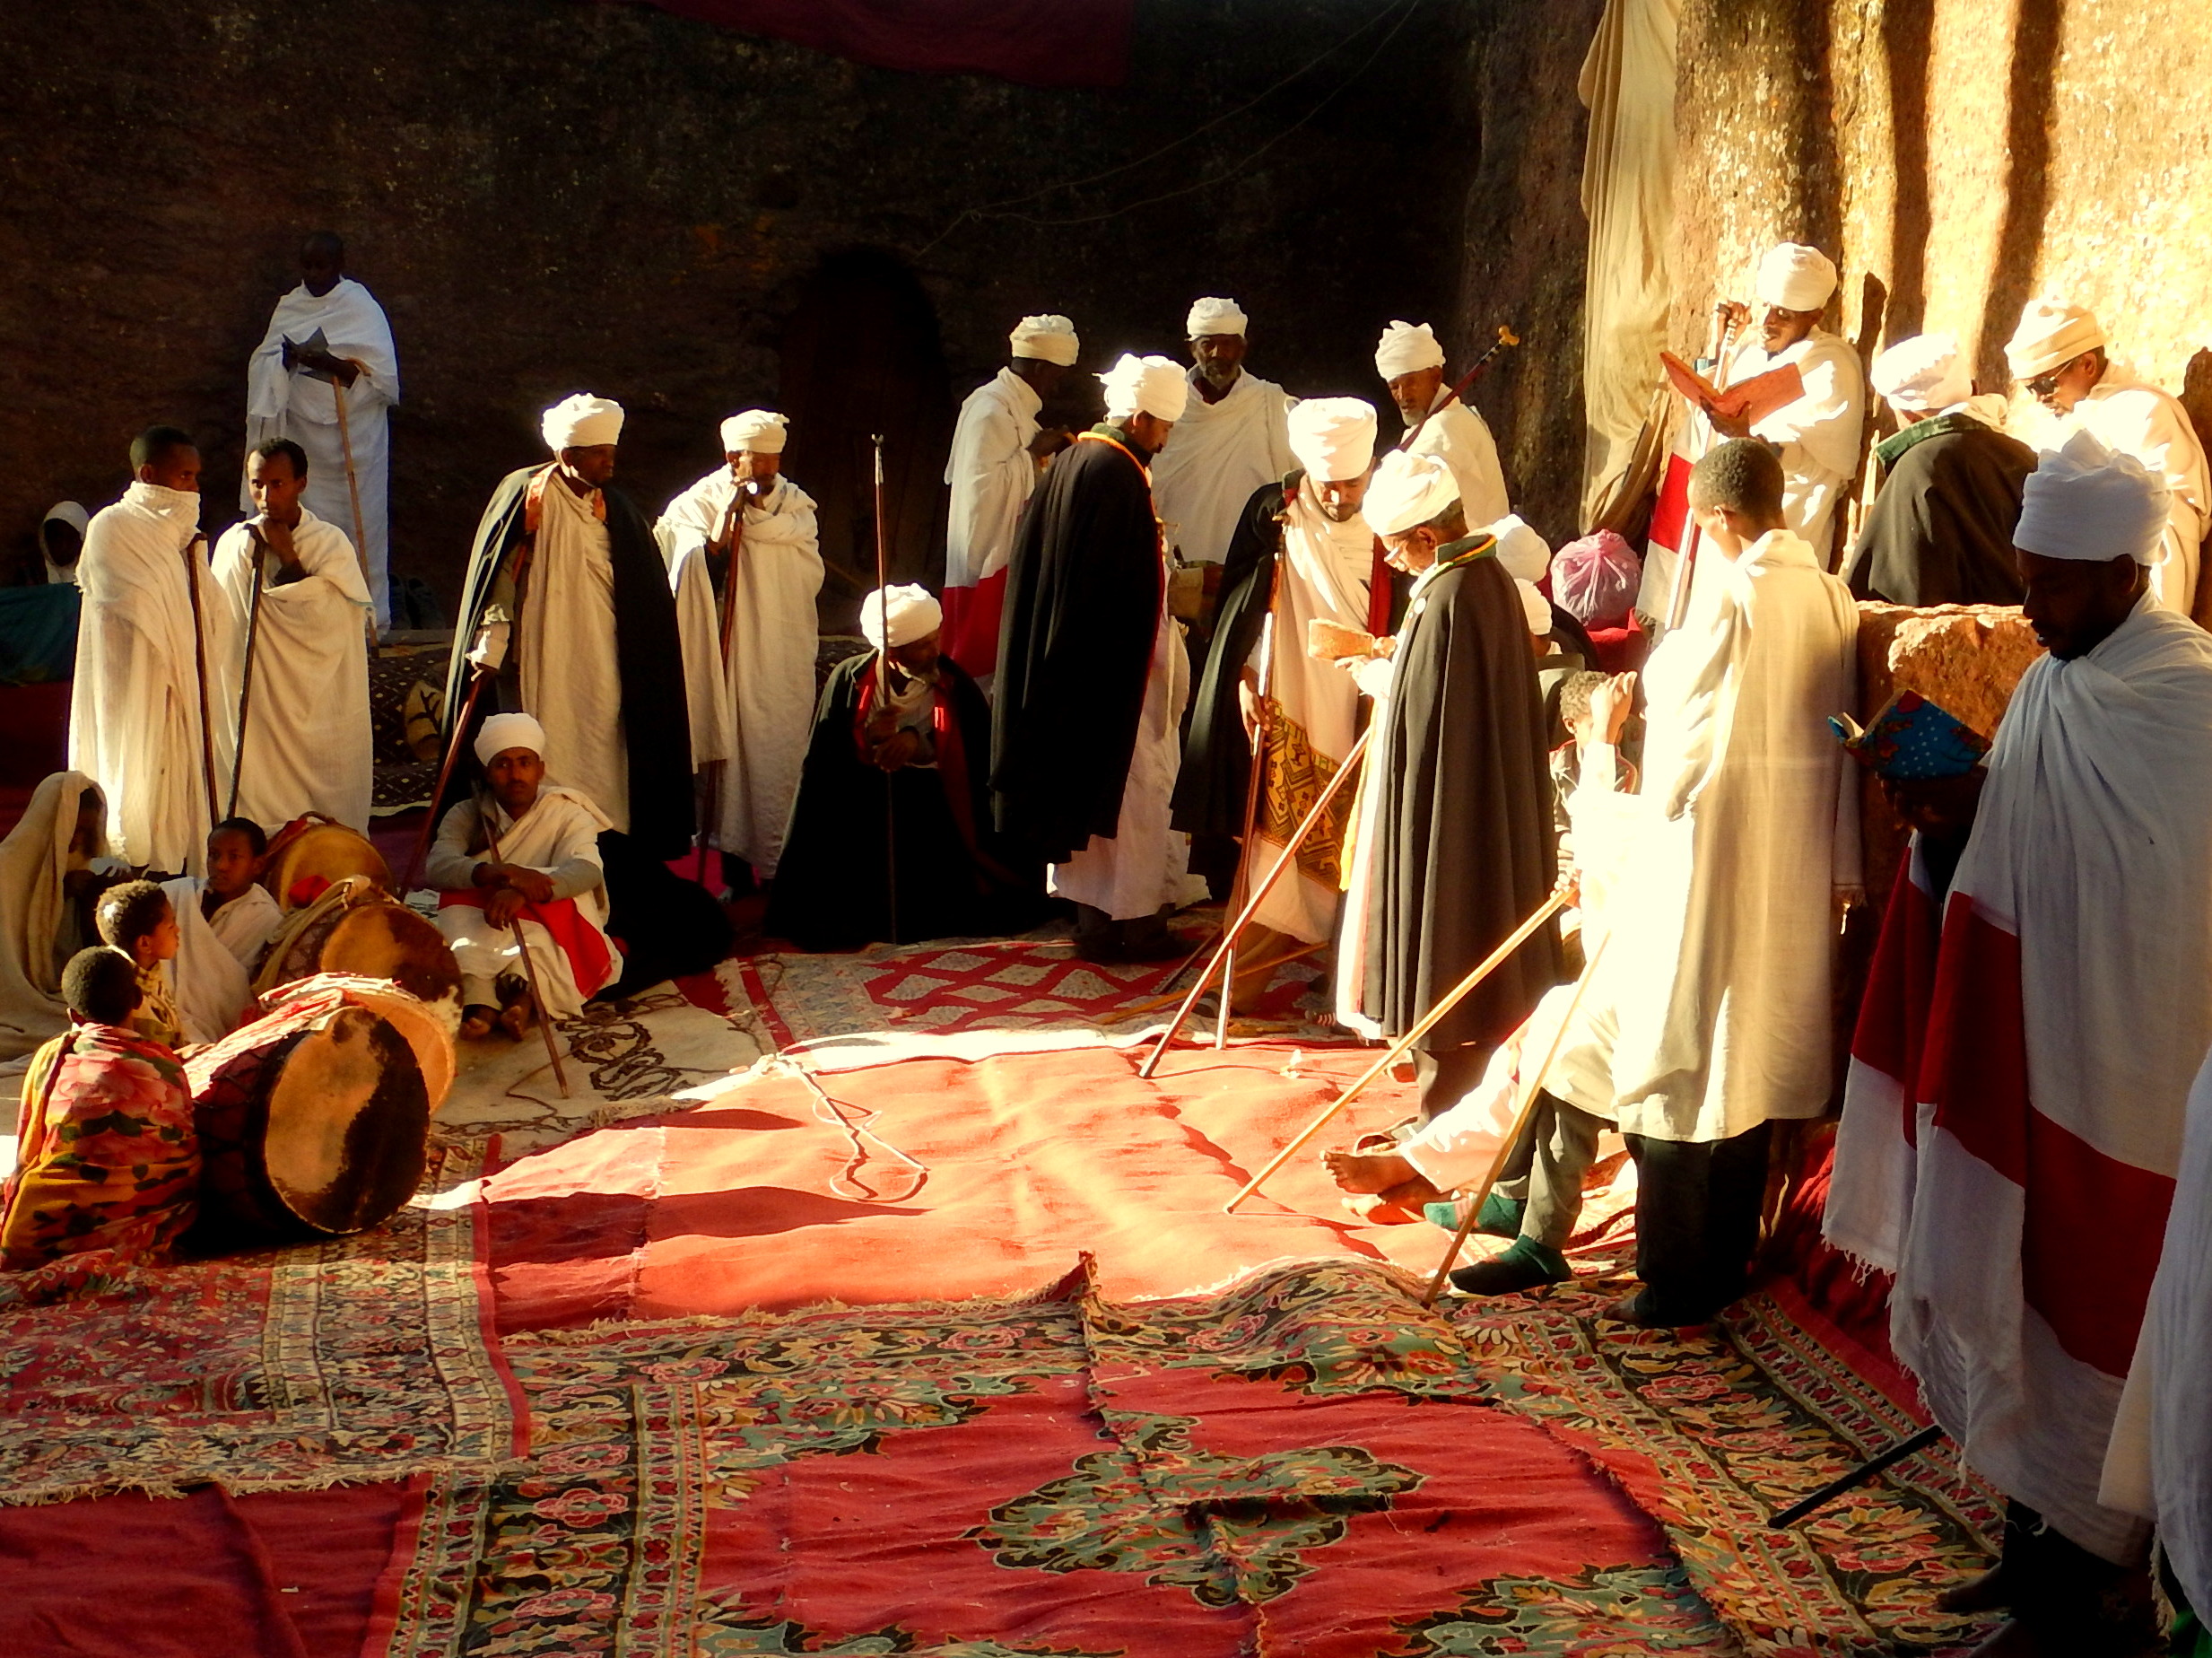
pixel 1093 678
pixel 293 387
pixel 596 653
pixel 61 541
pixel 1816 434
pixel 898 760
pixel 547 878
pixel 2042 1001
pixel 1940 530
pixel 998 448
pixel 2061 353
pixel 1411 362
pixel 1302 553
pixel 747 511
pixel 1231 438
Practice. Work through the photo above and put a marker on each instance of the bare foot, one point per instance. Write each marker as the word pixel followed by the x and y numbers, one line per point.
pixel 1377 1172
pixel 518 1016
pixel 476 1021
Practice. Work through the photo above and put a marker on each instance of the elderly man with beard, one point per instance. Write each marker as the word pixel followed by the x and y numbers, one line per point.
pixel 1230 440
pixel 1412 365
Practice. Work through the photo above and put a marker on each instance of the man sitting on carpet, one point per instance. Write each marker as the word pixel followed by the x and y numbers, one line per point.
pixel 544 887
pixel 54 866
pixel 222 925
pixel 138 919
pixel 898 763
pixel 107 1155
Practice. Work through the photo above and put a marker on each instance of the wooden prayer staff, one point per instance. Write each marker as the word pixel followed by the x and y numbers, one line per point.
pixel 488 652
pixel 883 686
pixel 1506 337
pixel 1251 904
pixel 1866 1469
pixel 1521 1116
pixel 522 949
pixel 1255 786
pixel 246 680
pixel 734 526
pixel 1459 992
pixel 352 489
pixel 1686 566
pixel 199 663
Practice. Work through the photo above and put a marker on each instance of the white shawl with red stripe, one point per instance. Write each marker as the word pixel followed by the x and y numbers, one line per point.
pixel 2023 1197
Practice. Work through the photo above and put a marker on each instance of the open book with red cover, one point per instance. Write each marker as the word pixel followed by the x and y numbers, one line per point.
pixel 1751 401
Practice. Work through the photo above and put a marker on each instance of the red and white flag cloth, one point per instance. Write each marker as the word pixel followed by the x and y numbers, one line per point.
pixel 2014 1160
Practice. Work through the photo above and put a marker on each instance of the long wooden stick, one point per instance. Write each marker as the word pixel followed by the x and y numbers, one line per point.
pixel 734 522
pixel 1251 905
pixel 445 775
pixel 338 389
pixel 1458 394
pixel 246 679
pixel 529 967
pixel 1255 785
pixel 883 686
pixel 199 663
pixel 1459 992
pixel 1686 565
pixel 1521 1117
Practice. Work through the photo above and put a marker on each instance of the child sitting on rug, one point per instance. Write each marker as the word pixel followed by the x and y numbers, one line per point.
pixel 138 919
pixel 108 1157
pixel 224 923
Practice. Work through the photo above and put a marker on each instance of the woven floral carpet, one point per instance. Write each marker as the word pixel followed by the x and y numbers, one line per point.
pixel 360 1359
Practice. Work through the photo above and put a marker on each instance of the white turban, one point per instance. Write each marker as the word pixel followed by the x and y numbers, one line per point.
pixel 1153 386
pixel 2086 502
pixel 912 614
pixel 2051 334
pixel 1215 317
pixel 756 431
pixel 1524 554
pixel 1405 346
pixel 502 732
pixel 1535 608
pixel 1333 437
pixel 581 422
pixel 1796 278
pixel 1923 374
pixel 1048 338
pixel 1407 491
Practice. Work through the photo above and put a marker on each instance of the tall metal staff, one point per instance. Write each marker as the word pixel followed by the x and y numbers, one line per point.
pixel 882 684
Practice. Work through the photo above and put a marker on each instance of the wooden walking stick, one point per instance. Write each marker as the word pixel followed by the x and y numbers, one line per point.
pixel 1522 1115
pixel 733 527
pixel 246 679
pixel 522 949
pixel 488 652
pixel 1458 394
pixel 338 389
pixel 1251 905
pixel 1459 992
pixel 1686 566
pixel 199 664
pixel 882 685
pixel 1255 786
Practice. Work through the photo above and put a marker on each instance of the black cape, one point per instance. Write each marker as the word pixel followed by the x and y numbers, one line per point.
pixel 1463 850
pixel 1940 529
pixel 1075 648
pixel 831 891
pixel 649 658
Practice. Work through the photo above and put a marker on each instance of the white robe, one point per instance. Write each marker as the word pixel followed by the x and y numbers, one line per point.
pixel 134 707
pixel 570 677
pixel 768 683
pixel 1455 435
pixel 1324 569
pixel 1712 1011
pixel 559 836
pixel 1818 434
pixel 1218 454
pixel 286 404
pixel 211 978
pixel 991 473
pixel 308 747
pixel 35 861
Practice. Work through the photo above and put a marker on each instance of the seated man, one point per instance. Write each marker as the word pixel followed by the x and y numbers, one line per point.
pixel 224 923
pixel 54 865
pixel 138 919
pixel 107 1158
pixel 523 869
pixel 923 750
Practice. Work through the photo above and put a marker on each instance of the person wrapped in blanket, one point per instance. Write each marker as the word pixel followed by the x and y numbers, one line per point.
pixel 525 865
pixel 108 1157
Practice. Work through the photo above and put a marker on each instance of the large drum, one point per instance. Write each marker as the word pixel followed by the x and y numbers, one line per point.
pixel 313 1122
pixel 313 853
pixel 357 927
pixel 428 1028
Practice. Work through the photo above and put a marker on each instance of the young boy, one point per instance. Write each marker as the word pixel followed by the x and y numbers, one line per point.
pixel 224 923
pixel 138 919
pixel 108 1157
pixel 233 902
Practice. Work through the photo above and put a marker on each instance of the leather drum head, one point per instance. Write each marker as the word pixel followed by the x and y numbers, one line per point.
pixel 319 856
pixel 348 1124
pixel 387 940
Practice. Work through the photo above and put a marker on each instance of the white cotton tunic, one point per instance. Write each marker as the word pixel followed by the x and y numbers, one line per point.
pixel 768 682
pixel 1457 436
pixel 1818 435
pixel 559 836
pixel 1218 454
pixel 281 403
pixel 307 743
pixel 572 680
pixel 991 473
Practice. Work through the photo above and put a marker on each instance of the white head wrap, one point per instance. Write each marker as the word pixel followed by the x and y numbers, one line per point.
pixel 581 422
pixel 2050 335
pixel 2089 502
pixel 756 431
pixel 1535 608
pixel 912 614
pixel 1153 386
pixel 1406 491
pixel 1333 437
pixel 1524 554
pixel 1405 346
pixel 1923 374
pixel 504 731
pixel 1215 317
pixel 1795 277
pixel 1049 339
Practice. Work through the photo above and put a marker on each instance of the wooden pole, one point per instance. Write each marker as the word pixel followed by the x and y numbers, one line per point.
pixel 1255 785
pixel 1459 992
pixel 1686 566
pixel 445 775
pixel 246 679
pixel 1521 1116
pixel 352 489
pixel 734 526
pixel 882 685
pixel 1506 337
pixel 529 967
pixel 199 663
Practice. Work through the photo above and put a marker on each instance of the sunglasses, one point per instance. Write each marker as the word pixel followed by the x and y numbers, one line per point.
pixel 2043 384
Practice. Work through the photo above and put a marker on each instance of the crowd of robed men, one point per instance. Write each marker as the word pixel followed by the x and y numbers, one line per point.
pixel 2013 1128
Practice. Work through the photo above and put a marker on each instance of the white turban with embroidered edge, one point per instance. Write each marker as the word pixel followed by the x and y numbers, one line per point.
pixel 1153 386
pixel 1405 346
pixel 1048 338
pixel 758 432
pixel 1795 277
pixel 1333 437
pixel 1922 374
pixel 2086 502
pixel 581 422
pixel 502 732
pixel 897 615
pixel 2051 334
pixel 1215 316
pixel 1407 491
